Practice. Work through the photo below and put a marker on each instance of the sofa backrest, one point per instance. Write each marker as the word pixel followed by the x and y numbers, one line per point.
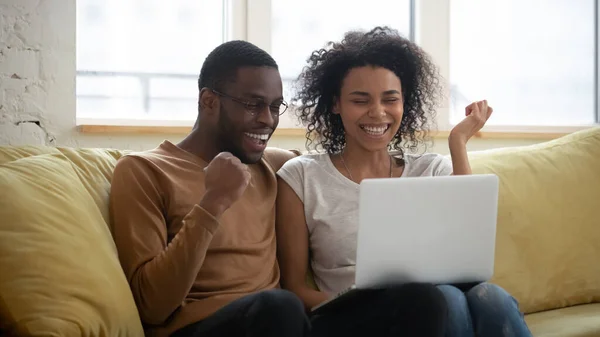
pixel 61 274
pixel 548 232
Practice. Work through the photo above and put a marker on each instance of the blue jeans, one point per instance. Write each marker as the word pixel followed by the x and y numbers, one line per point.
pixel 484 310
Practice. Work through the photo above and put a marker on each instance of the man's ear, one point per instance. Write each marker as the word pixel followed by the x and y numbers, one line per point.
pixel 208 101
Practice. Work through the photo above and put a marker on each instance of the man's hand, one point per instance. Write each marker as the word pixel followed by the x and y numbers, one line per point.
pixel 226 180
pixel 477 114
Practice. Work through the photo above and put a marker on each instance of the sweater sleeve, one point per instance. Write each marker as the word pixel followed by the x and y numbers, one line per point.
pixel 160 274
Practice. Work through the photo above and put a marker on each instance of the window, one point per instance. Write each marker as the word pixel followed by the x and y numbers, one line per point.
pixel 139 59
pixel 297 29
pixel 533 59
pixel 536 61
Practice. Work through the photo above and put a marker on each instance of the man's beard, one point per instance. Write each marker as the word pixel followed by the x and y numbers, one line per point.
pixel 230 140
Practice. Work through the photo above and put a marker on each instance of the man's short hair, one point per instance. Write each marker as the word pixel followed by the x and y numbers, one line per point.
pixel 222 63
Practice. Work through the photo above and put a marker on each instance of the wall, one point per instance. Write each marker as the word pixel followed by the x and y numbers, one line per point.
pixel 37 83
pixel 37 77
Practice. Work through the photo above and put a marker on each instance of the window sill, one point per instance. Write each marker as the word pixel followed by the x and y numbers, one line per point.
pixel 163 130
pixel 297 132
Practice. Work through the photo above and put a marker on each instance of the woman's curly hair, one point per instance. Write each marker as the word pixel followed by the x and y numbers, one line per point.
pixel 320 82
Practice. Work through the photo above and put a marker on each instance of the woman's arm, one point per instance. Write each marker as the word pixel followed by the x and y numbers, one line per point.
pixel 477 114
pixel 292 245
pixel 460 158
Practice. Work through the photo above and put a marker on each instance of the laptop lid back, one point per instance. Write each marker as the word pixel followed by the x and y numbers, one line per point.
pixel 440 230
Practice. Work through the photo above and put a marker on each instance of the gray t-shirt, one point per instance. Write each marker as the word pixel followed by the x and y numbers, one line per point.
pixel 331 210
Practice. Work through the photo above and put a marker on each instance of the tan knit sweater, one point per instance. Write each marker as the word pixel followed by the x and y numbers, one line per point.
pixel 181 263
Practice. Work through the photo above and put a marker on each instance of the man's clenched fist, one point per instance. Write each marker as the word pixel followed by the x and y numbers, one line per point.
pixel 225 182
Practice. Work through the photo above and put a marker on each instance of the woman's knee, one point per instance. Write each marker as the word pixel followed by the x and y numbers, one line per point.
pixel 493 307
pixel 420 295
pixel 455 298
pixel 418 290
pixel 459 316
pixel 490 297
pixel 452 293
pixel 417 309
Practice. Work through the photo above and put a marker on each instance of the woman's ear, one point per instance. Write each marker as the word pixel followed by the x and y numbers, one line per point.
pixel 336 106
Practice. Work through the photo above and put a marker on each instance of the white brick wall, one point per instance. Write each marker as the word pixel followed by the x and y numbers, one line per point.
pixel 37 79
pixel 37 71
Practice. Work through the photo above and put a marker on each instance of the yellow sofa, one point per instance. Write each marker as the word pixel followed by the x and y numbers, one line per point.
pixel 60 275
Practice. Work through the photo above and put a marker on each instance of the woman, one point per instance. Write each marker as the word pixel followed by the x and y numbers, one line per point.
pixel 370 93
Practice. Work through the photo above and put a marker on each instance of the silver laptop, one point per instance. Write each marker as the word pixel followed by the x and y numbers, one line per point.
pixel 439 230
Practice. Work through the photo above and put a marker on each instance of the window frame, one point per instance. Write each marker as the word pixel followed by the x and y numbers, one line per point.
pixel 433 34
pixel 250 20
pixel 235 27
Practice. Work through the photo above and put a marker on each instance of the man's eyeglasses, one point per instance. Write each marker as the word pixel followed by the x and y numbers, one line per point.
pixel 257 106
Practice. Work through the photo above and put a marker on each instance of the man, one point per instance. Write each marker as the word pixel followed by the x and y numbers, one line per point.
pixel 194 222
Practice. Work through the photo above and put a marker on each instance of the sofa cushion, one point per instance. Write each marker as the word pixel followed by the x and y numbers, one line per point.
pixel 548 236
pixel 94 168
pixel 579 321
pixel 60 272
